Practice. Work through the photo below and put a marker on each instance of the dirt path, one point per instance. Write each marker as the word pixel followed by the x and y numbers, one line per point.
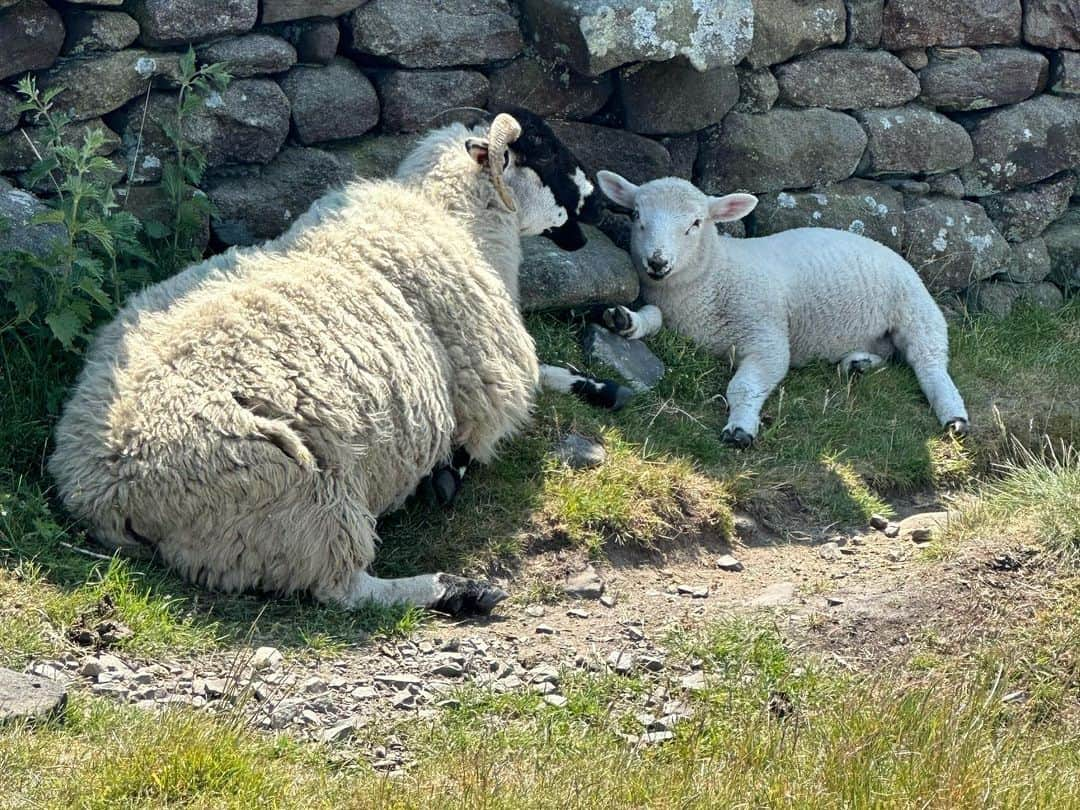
pixel 860 600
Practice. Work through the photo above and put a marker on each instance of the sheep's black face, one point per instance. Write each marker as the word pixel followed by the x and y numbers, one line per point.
pixel 540 150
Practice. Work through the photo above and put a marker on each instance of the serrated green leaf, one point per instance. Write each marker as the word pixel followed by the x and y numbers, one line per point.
pixel 66 326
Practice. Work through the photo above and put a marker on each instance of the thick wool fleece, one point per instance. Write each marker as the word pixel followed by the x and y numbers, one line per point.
pixel 251 417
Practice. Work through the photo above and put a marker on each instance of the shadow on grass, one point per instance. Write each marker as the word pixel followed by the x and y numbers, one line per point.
pixel 831 453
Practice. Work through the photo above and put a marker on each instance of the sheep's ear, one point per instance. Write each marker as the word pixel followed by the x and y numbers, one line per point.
pixel 731 207
pixel 616 188
pixel 477 149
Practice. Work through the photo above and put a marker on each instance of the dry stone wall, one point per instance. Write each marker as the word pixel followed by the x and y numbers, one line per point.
pixel 947 129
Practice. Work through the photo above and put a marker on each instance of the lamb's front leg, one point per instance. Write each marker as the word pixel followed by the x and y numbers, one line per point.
pixel 633 325
pixel 747 391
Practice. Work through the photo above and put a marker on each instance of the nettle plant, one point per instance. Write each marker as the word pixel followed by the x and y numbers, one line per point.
pixel 105 252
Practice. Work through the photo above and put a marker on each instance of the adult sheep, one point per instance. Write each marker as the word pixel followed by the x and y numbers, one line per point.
pixel 250 418
pixel 776 301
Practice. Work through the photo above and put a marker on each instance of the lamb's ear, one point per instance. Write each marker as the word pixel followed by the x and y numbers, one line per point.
pixel 731 207
pixel 477 149
pixel 616 188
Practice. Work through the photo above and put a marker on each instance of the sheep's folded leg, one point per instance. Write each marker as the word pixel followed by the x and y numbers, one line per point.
pixel 599 393
pixel 444 482
pixel 855 363
pixel 446 593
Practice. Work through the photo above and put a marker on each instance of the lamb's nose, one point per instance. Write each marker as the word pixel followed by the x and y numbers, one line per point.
pixel 657 263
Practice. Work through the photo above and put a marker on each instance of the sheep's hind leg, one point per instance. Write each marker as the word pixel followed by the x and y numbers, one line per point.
pixel 856 363
pixel 445 593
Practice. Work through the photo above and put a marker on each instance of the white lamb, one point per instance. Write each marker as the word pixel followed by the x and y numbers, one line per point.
pixel 250 418
pixel 777 301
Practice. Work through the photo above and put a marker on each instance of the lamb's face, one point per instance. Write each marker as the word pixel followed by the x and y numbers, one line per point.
pixel 538 210
pixel 557 192
pixel 671 220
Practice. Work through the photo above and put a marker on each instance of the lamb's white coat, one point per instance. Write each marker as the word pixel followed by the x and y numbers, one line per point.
pixel 778 301
pixel 252 416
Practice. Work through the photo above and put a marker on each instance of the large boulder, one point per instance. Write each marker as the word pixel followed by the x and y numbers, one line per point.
pixel 780 149
pixel 254 204
pixel 18 209
pixel 96 30
pixel 548 88
pixel 419 34
pixel 31 35
pixel 249 55
pixel 376 157
pixel 1022 144
pixel 864 23
pixel 1031 262
pixel 330 103
pixel 594 36
pixel 921 23
pixel 280 10
pixel 663 98
pixel 912 139
pixel 1052 23
pixel 846 80
pixel 787 28
pixel 758 90
pixel 966 79
pixel 952 244
pixel 9 111
pixel 999 298
pixel 247 123
pixel 598 273
pixel 18 154
pixel 412 100
pixel 1024 214
pixel 636 158
pixel 98 84
pixel 180 22
pixel 1063 244
pixel 861 206
pixel 315 41
pixel 1065 73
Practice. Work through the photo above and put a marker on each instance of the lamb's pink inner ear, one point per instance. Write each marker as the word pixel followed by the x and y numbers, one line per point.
pixel 731 207
pixel 478 150
pixel 617 188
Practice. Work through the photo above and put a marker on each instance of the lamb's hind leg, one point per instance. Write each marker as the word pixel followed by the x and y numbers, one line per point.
pixel 927 352
pixel 856 363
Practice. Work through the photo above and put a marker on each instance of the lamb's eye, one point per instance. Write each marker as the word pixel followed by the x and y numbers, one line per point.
pixel 695 224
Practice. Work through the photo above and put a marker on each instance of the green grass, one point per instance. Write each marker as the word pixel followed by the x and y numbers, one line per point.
pixel 831 452
pixel 1037 494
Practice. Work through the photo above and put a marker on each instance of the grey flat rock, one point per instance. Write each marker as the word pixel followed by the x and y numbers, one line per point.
pixel 630 358
pixel 29 697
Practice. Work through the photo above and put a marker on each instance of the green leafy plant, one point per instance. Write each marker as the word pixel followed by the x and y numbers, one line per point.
pixel 103 252
pixel 175 241
pixel 80 276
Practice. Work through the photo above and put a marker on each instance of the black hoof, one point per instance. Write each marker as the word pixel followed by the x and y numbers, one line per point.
pixel 857 367
pixel 445 485
pixel 618 320
pixel 605 394
pixel 957 427
pixel 467 597
pixel 736 438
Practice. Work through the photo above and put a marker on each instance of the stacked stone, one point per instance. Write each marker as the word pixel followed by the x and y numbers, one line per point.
pixel 949 130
